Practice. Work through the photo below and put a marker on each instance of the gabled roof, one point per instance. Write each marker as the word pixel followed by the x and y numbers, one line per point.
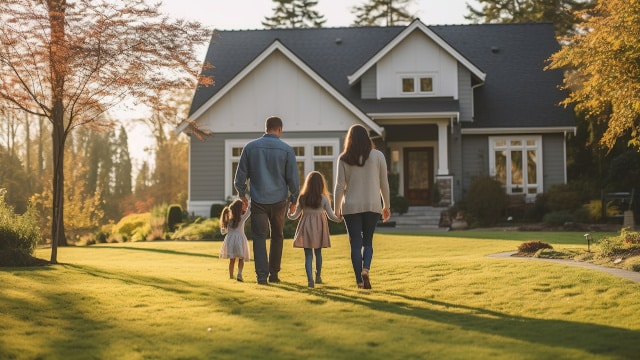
pixel 278 46
pixel 416 25
pixel 517 91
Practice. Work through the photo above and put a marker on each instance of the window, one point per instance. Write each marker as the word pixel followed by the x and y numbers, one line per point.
pixel 417 85
pixel 311 154
pixel 517 163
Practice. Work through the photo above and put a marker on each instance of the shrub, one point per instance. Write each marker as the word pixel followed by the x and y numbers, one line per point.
pixel 399 204
pixel 19 235
pixel 216 210
pixel 158 222
pixel 557 218
pixel 561 197
pixel 208 229
pixel 128 226
pixel 610 245
pixel 174 217
pixel 533 246
pixel 486 200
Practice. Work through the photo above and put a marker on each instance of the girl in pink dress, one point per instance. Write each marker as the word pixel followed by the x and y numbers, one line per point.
pixel 312 234
pixel 235 243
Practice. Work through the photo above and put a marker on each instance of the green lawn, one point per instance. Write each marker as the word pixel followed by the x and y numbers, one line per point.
pixel 435 296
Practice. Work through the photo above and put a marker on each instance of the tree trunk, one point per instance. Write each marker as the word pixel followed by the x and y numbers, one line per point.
pixel 57 117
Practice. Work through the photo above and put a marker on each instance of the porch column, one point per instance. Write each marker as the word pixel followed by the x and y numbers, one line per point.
pixel 443 148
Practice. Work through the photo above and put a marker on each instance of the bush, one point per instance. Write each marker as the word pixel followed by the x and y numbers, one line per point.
pixel 208 229
pixel 129 225
pixel 533 246
pixel 486 200
pixel 174 217
pixel 610 245
pixel 19 235
pixel 561 197
pixel 216 210
pixel 399 204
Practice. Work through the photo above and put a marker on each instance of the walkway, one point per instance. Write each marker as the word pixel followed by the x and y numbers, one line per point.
pixel 626 274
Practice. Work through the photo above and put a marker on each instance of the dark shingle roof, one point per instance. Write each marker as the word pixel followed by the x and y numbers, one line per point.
pixel 517 91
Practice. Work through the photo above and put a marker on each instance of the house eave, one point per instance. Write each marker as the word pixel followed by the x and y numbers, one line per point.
pixel 522 130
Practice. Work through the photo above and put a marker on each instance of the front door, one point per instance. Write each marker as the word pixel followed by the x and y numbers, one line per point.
pixel 418 178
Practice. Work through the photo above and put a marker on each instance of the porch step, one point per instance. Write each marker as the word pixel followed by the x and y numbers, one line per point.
pixel 421 217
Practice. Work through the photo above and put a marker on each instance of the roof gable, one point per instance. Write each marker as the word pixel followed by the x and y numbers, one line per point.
pixel 278 46
pixel 416 25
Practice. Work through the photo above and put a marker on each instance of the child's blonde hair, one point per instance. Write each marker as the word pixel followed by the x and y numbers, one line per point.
pixel 230 216
pixel 312 190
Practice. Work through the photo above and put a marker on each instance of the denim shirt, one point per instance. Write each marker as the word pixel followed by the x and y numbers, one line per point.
pixel 268 165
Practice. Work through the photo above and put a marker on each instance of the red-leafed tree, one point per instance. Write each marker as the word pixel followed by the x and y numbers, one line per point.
pixel 70 61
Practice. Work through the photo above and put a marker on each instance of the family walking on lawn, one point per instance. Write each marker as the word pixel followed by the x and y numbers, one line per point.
pixel 269 170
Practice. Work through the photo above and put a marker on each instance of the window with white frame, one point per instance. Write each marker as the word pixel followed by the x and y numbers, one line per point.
pixel 516 161
pixel 311 154
pixel 421 84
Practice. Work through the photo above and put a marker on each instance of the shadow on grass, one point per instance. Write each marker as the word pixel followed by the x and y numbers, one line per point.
pixel 161 251
pixel 592 338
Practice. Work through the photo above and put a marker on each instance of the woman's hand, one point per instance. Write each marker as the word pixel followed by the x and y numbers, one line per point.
pixel 386 214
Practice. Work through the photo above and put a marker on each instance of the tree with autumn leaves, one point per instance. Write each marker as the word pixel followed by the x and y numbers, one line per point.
pixel 602 63
pixel 70 61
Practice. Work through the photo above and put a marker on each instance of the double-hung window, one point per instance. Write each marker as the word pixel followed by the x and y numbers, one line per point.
pixel 311 154
pixel 516 161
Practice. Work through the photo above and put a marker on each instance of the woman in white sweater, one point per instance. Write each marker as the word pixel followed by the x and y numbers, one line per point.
pixel 361 195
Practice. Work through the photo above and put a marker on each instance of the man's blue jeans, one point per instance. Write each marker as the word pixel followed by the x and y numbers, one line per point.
pixel 360 228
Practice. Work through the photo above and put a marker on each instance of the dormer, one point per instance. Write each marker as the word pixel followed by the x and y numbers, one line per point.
pixel 415 64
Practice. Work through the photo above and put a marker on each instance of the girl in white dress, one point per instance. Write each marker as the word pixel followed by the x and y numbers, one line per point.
pixel 235 243
pixel 312 232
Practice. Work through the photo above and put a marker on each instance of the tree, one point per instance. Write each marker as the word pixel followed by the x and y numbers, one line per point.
pixel 559 12
pixel 603 75
pixel 383 12
pixel 72 60
pixel 294 14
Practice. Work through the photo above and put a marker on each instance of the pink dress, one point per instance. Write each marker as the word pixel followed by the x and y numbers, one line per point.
pixel 235 244
pixel 313 229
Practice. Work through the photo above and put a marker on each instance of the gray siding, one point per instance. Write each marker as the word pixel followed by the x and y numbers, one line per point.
pixel 207 161
pixel 465 94
pixel 475 161
pixel 207 167
pixel 368 84
pixel 455 160
pixel 553 160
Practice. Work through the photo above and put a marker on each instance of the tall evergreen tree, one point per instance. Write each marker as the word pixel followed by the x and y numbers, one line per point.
pixel 122 166
pixel 559 12
pixel 294 14
pixel 383 12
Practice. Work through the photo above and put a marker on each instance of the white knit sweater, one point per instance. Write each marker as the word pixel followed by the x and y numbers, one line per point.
pixel 362 188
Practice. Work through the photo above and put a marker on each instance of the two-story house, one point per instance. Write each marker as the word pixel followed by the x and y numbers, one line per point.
pixel 444 103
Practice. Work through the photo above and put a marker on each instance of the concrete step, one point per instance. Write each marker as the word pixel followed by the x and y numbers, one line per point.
pixel 419 217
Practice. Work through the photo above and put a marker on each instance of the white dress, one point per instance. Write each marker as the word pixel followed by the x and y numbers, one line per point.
pixel 235 244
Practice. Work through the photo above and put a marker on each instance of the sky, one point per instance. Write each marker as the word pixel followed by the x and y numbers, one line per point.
pixel 249 14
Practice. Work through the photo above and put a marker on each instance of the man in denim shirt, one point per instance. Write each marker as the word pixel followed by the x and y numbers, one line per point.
pixel 268 166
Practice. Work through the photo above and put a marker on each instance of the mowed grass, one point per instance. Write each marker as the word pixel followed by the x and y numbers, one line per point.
pixel 435 296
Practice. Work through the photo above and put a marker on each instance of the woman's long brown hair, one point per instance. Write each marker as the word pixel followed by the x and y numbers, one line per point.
pixel 357 146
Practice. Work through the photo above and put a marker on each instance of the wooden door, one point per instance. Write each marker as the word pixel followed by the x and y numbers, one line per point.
pixel 418 175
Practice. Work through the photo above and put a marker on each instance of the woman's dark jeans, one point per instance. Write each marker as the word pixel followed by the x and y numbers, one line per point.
pixel 360 228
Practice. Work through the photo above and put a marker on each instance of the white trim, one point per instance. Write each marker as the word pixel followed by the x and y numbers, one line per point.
pixel 524 147
pixel 421 115
pixel 416 24
pixel 278 46
pixel 309 158
pixel 525 130
pixel 417 77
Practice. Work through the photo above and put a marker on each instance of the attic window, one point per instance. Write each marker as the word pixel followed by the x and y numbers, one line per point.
pixel 417 85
